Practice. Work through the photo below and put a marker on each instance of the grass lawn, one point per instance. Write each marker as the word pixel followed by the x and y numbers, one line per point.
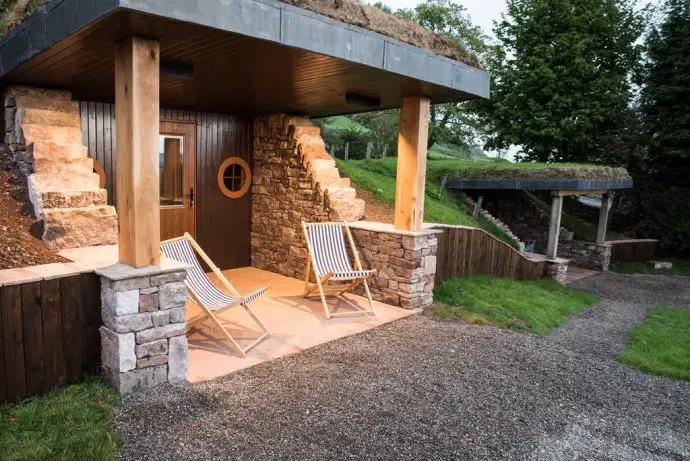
pixel 469 169
pixel 72 423
pixel 537 306
pixel 661 344
pixel 378 177
pixel 680 267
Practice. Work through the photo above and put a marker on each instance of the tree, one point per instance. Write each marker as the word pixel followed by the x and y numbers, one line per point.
pixel 452 123
pixel 562 79
pixel 658 204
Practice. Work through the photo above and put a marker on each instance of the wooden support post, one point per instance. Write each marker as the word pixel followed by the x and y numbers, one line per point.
pixel 555 226
pixel 411 177
pixel 137 63
pixel 606 203
pixel 347 151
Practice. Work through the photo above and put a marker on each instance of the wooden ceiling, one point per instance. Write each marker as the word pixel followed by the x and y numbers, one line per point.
pixel 232 73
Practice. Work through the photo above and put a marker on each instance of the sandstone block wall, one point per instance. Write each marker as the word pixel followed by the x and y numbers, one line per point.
pixel 43 133
pixel 406 265
pixel 144 326
pixel 294 180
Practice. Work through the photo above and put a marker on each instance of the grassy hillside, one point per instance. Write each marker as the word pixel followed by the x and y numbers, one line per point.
pixel 341 122
pixel 378 177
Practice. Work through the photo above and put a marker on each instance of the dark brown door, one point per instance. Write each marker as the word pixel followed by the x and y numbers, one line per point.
pixel 177 161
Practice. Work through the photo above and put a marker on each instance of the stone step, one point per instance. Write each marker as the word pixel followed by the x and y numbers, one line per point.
pixel 58 182
pixel 307 130
pixel 74 198
pixel 62 135
pixel 320 163
pixel 335 182
pixel 31 97
pixel 79 227
pixel 319 154
pixel 346 210
pixel 311 140
pixel 341 193
pixel 42 149
pixel 325 174
pixel 32 116
pixel 77 166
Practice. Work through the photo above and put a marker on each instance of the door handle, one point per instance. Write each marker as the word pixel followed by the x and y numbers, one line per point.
pixel 190 196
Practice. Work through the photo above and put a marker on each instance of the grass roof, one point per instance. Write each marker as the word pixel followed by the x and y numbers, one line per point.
pixel 354 12
pixel 468 170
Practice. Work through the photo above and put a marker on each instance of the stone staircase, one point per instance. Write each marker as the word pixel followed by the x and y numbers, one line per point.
pixel 63 188
pixel 341 198
pixel 497 222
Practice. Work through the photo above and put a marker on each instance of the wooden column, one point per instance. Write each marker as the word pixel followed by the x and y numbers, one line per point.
pixel 606 202
pixel 555 226
pixel 137 122
pixel 411 177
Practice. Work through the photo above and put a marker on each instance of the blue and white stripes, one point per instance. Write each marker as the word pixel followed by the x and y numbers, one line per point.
pixel 330 252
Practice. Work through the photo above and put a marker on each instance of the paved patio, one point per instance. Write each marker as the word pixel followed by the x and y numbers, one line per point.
pixel 424 389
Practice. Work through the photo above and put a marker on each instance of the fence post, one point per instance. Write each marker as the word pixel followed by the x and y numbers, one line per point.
pixel 333 150
pixel 370 145
pixel 347 151
pixel 385 151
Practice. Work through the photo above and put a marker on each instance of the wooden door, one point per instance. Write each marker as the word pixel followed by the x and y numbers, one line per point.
pixel 177 161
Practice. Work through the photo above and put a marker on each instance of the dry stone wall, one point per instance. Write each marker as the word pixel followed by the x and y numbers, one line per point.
pixel 143 342
pixel 294 180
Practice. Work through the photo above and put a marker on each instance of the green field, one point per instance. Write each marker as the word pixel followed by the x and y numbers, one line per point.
pixel 536 306
pixel 680 267
pixel 661 344
pixel 341 122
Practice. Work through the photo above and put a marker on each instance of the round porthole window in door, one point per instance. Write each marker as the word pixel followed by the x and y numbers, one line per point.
pixel 234 177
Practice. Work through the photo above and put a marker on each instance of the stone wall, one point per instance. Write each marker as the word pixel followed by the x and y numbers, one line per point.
pixel 144 325
pixel 587 255
pixel 406 263
pixel 294 180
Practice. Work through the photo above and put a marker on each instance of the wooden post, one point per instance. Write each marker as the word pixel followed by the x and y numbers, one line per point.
pixel 347 151
pixel 606 203
pixel 370 146
pixel 411 177
pixel 137 122
pixel 555 226
pixel 385 151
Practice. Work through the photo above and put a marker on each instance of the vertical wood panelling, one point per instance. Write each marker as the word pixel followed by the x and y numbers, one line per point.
pixel 465 252
pixel 222 224
pixel 48 334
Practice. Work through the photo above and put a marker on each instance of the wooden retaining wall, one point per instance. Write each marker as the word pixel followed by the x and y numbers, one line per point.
pixel 48 334
pixel 633 250
pixel 464 251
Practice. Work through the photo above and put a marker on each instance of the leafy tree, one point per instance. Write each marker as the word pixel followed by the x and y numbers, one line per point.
pixel 658 204
pixel 562 79
pixel 452 123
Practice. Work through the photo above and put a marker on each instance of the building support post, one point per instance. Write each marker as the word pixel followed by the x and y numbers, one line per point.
pixel 606 203
pixel 411 176
pixel 137 63
pixel 555 225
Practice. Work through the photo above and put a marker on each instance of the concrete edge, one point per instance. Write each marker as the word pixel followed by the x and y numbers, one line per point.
pixel 121 271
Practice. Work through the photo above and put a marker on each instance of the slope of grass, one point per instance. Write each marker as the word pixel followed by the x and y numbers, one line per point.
pixel 680 267
pixel 378 177
pixel 342 122
pixel 72 423
pixel 12 12
pixel 661 344
pixel 536 306
pixel 583 229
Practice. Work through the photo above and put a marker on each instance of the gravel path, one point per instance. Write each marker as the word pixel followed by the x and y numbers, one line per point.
pixel 425 389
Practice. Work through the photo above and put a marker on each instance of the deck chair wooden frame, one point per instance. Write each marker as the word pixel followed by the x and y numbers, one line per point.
pixel 213 313
pixel 355 276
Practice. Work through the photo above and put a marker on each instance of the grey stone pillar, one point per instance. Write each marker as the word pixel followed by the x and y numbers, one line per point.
pixel 144 325
pixel 558 269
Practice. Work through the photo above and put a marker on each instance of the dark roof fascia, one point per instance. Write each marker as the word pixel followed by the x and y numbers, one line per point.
pixel 540 184
pixel 52 22
pixel 263 19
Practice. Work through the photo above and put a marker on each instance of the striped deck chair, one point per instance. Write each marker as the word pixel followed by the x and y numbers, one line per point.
pixel 212 300
pixel 329 261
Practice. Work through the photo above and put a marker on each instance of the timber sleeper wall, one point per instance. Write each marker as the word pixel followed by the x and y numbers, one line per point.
pixel 48 334
pixel 466 251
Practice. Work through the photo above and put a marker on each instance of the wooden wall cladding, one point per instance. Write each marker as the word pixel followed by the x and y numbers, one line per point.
pixel 223 224
pixel 463 252
pixel 48 334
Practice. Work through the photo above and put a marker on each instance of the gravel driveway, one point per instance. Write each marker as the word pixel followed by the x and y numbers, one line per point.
pixel 425 389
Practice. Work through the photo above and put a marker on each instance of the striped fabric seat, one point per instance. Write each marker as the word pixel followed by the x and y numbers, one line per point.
pixel 197 280
pixel 330 253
